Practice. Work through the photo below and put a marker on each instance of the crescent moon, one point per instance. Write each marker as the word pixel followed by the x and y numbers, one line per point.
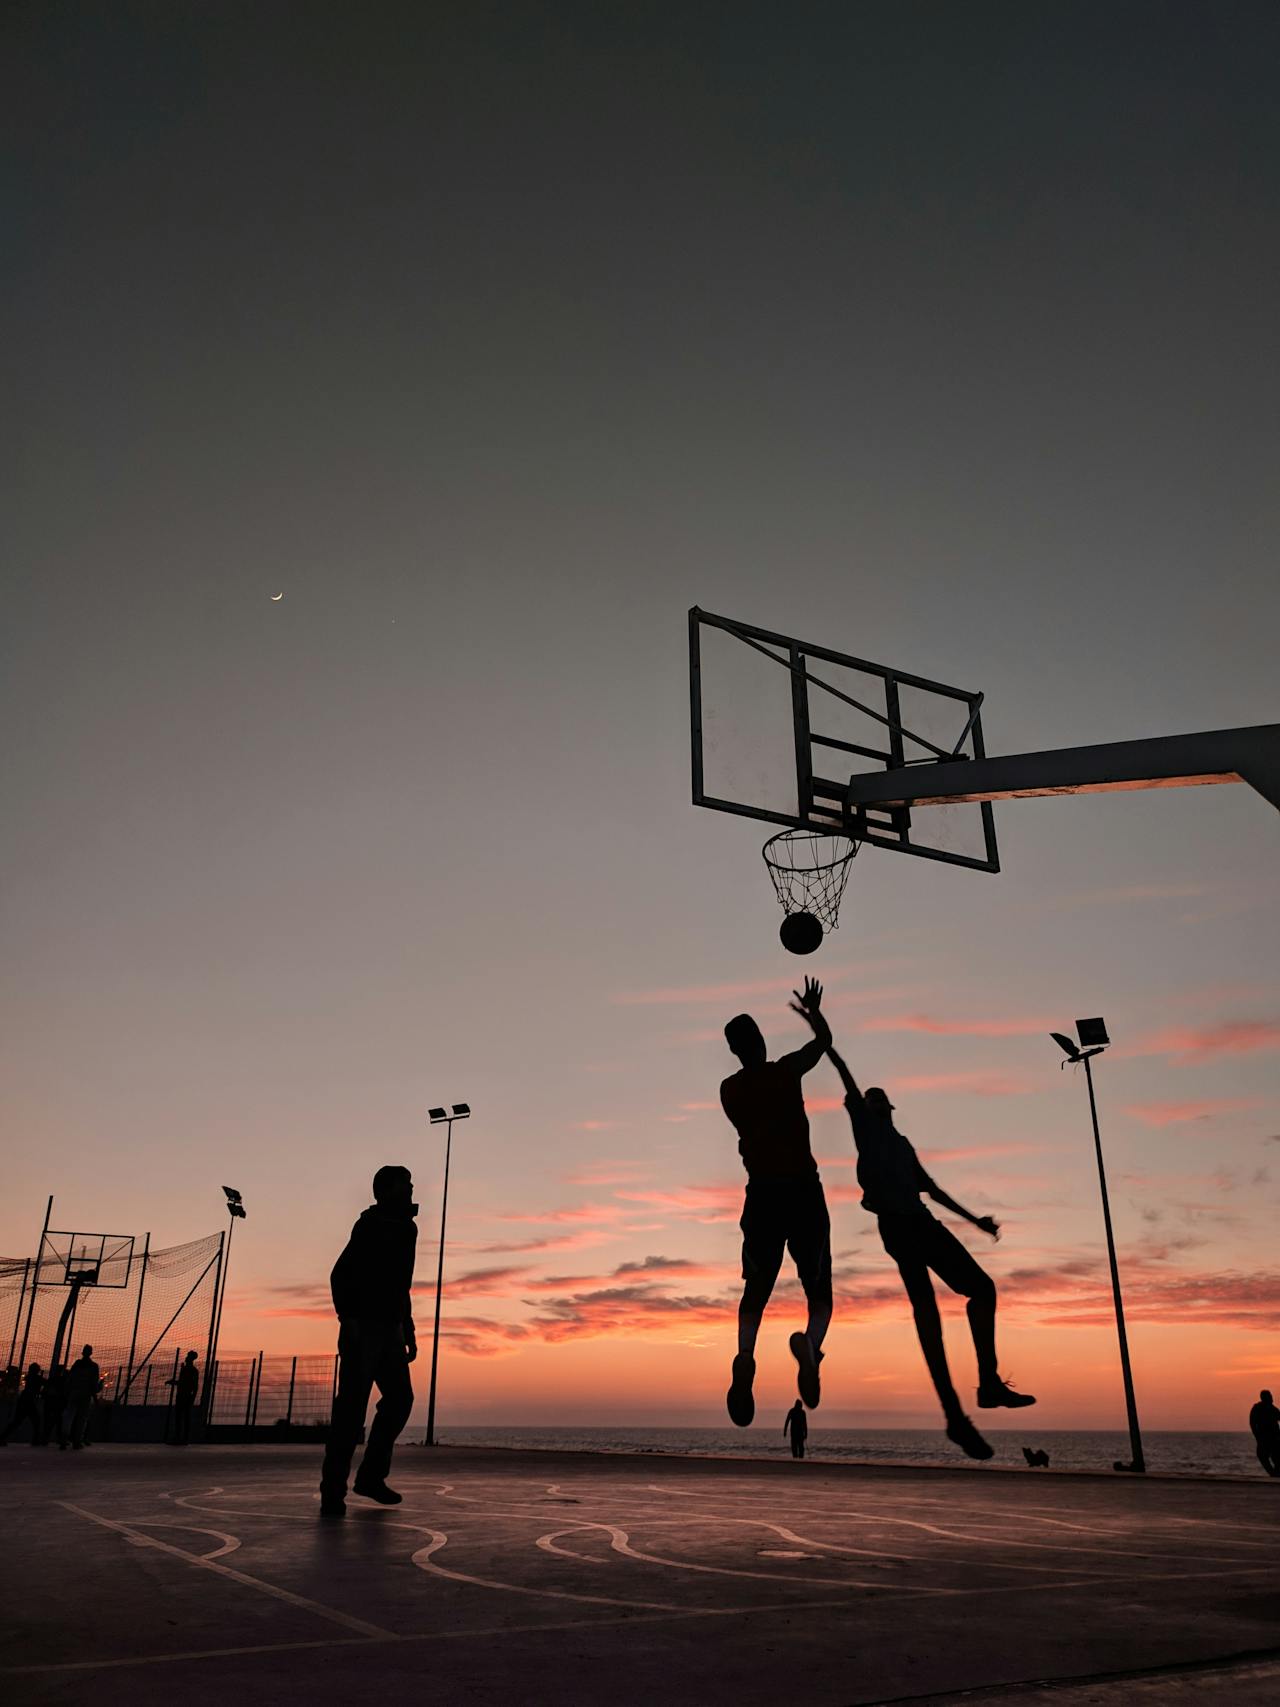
pixel 276 597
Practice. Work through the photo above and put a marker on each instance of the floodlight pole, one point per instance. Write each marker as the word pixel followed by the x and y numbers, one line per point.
pixel 226 1267
pixel 1139 1463
pixel 444 1210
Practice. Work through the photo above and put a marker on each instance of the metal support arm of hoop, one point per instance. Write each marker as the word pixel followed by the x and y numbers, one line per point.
pixel 1249 755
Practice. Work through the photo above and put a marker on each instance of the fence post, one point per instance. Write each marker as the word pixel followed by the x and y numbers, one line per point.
pixel 173 1387
pixel 146 1389
pixel 211 1392
pixel 35 1284
pixel 293 1376
pixel 137 1315
pixel 257 1391
pixel 248 1397
pixel 22 1298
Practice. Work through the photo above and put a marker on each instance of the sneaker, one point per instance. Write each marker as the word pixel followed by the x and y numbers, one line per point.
pixel 992 1394
pixel 379 1491
pixel 962 1433
pixel 807 1359
pixel 739 1398
pixel 333 1507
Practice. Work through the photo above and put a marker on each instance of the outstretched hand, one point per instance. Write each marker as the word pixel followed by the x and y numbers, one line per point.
pixel 808 1001
pixel 988 1224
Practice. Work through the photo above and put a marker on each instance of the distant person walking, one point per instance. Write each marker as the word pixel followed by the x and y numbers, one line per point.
pixel 186 1384
pixel 797 1426
pixel 785 1208
pixel 1264 1420
pixel 892 1179
pixel 29 1408
pixel 371 1284
pixel 84 1383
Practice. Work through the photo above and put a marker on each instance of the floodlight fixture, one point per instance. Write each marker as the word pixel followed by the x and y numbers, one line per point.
pixel 1067 1047
pixel 437 1115
pixel 461 1110
pixel 1092 1033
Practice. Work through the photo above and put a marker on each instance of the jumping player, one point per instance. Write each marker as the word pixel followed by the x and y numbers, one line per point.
pixel 892 1179
pixel 784 1208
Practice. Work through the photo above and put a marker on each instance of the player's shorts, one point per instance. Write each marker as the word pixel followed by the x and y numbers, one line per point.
pixel 786 1215
pixel 922 1242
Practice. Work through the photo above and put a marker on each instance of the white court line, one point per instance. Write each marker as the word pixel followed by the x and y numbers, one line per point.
pixel 287 1595
pixel 620 1542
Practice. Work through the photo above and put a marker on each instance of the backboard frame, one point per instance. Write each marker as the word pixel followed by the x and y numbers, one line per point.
pixel 826 803
pixel 68 1256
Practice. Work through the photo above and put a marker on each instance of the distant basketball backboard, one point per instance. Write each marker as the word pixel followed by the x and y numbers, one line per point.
pixel 781 728
pixel 95 1259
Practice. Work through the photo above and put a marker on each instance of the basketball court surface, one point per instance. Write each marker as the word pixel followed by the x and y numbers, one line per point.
pixel 146 1573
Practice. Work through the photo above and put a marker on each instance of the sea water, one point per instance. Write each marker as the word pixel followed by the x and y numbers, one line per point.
pixel 1181 1453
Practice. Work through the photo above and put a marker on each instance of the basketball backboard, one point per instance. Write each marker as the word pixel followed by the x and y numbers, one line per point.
pixel 95 1259
pixel 781 727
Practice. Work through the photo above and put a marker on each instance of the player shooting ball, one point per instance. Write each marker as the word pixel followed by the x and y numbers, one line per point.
pixel 785 1209
pixel 892 1178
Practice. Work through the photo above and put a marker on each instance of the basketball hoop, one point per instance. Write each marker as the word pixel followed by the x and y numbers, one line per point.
pixel 809 871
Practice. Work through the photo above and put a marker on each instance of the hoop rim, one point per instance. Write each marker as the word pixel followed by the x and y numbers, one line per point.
pixel 794 835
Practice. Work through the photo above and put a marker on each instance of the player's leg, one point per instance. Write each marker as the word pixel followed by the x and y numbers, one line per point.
pixel 356 1358
pixel 956 1266
pixel 395 1401
pixel 763 1242
pixel 809 1241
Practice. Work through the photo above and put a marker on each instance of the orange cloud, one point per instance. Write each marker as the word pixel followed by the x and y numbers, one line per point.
pixel 552 1217
pixel 582 1241
pixel 704 1203
pixel 958 1027
pixel 607 1173
pixel 1175 1113
pixel 1205 1043
pixel 978 1083
pixel 978 1152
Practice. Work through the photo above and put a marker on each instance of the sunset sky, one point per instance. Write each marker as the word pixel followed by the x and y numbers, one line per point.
pixel 494 337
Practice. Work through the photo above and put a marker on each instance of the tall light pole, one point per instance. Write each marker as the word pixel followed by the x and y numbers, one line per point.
pixel 441 1117
pixel 1093 1040
pixel 236 1211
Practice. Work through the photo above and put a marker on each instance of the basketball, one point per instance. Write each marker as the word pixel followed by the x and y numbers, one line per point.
pixel 800 933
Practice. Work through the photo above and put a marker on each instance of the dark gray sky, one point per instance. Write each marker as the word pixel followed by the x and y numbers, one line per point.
pixel 494 337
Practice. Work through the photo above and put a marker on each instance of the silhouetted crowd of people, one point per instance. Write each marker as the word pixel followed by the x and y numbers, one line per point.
pixel 56 1406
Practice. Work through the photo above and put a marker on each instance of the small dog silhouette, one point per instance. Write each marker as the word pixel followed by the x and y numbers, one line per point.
pixel 1037 1460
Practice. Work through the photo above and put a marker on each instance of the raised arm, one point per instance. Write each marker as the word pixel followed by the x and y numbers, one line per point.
pixel 846 1077
pixel 984 1223
pixel 808 1004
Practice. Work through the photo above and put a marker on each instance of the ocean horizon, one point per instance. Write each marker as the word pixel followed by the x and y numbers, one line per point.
pixel 1170 1451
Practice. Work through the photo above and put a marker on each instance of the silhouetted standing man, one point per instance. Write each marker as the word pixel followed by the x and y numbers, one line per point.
pixel 1264 1420
pixel 797 1426
pixel 371 1284
pixel 785 1208
pixel 84 1383
pixel 187 1385
pixel 892 1179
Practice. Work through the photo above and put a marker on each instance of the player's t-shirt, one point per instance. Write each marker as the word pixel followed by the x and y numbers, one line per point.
pixel 766 1106
pixel 889 1171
